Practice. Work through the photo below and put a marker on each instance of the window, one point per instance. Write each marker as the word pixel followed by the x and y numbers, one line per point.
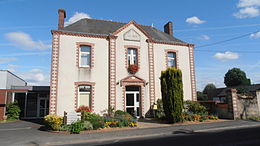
pixel 84 97
pixel 171 59
pixel 132 56
pixel 85 56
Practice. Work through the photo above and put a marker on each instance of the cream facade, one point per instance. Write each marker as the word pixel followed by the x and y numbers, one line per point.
pixel 105 79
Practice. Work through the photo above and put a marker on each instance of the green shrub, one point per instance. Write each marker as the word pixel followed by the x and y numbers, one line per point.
pixel 13 111
pixel 159 113
pixel 53 122
pixel 119 113
pixel 172 94
pixel 194 107
pixel 65 128
pixel 87 125
pixel 96 120
pixel 76 127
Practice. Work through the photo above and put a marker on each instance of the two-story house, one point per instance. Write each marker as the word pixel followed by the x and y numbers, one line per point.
pixel 101 63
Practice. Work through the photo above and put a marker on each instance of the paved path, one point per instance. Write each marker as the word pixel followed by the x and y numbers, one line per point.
pixel 32 136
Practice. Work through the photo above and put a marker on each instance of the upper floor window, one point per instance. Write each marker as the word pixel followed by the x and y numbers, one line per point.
pixel 132 56
pixel 85 54
pixel 84 97
pixel 171 59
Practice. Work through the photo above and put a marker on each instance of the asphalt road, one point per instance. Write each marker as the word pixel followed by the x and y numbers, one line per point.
pixel 24 133
pixel 241 137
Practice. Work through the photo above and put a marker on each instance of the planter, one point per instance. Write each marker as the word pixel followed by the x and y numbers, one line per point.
pixel 133 68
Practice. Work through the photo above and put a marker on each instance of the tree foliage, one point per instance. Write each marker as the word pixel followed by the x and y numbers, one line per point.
pixel 201 96
pixel 172 94
pixel 208 87
pixel 235 77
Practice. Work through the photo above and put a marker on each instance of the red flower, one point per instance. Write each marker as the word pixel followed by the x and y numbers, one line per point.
pixel 133 68
pixel 83 108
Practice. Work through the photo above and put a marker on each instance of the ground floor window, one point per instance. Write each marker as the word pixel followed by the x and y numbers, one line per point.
pixel 84 95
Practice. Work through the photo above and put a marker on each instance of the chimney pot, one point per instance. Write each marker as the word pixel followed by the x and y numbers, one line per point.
pixel 62 16
pixel 168 28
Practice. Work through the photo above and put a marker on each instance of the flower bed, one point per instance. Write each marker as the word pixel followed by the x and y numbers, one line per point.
pixel 201 118
pixel 91 121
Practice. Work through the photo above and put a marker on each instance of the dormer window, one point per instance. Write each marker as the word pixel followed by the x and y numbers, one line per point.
pixel 85 56
pixel 132 56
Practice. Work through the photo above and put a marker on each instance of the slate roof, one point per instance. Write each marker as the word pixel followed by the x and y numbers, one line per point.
pixel 106 28
pixel 221 92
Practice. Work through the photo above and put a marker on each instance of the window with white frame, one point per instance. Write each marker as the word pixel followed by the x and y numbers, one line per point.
pixel 84 95
pixel 132 56
pixel 85 56
pixel 171 59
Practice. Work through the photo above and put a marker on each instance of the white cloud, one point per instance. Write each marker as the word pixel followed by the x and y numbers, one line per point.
pixel 194 20
pixel 248 3
pixel 248 9
pixel 11 66
pixel 7 60
pixel 226 56
pixel 255 35
pixel 35 77
pixel 76 17
pixel 24 40
pixel 25 54
pixel 247 12
pixel 204 37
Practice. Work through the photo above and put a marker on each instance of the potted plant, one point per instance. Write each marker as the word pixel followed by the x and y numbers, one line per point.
pixel 133 68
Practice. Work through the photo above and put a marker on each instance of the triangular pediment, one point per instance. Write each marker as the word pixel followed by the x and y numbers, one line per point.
pixel 137 26
pixel 132 78
pixel 132 35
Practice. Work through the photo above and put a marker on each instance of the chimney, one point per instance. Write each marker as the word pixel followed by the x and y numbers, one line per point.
pixel 62 16
pixel 168 28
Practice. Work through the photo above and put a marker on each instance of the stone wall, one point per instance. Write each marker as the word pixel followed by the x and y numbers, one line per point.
pixel 243 106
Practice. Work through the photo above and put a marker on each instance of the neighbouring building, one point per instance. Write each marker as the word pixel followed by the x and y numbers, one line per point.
pixel 237 102
pixel 32 100
pixel 101 63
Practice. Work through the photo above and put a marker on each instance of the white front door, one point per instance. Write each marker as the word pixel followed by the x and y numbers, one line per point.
pixel 132 103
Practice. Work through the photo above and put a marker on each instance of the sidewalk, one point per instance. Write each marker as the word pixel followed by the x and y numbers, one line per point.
pixel 33 136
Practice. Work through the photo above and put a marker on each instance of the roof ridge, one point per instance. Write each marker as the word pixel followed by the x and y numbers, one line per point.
pixel 116 22
pixel 104 20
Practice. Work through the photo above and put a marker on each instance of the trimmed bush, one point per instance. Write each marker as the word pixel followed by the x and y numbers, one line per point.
pixel 53 122
pixel 172 94
pixel 194 107
pixel 13 111
pixel 159 113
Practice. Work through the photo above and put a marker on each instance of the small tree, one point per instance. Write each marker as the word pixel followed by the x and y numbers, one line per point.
pixel 208 87
pixel 235 77
pixel 172 94
pixel 201 96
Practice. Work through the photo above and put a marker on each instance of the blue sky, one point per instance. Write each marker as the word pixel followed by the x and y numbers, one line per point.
pixel 25 38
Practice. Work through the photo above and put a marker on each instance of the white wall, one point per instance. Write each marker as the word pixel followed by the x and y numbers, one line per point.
pixel 69 73
pixel 8 79
pixel 13 80
pixel 3 77
pixel 184 65
pixel 122 72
